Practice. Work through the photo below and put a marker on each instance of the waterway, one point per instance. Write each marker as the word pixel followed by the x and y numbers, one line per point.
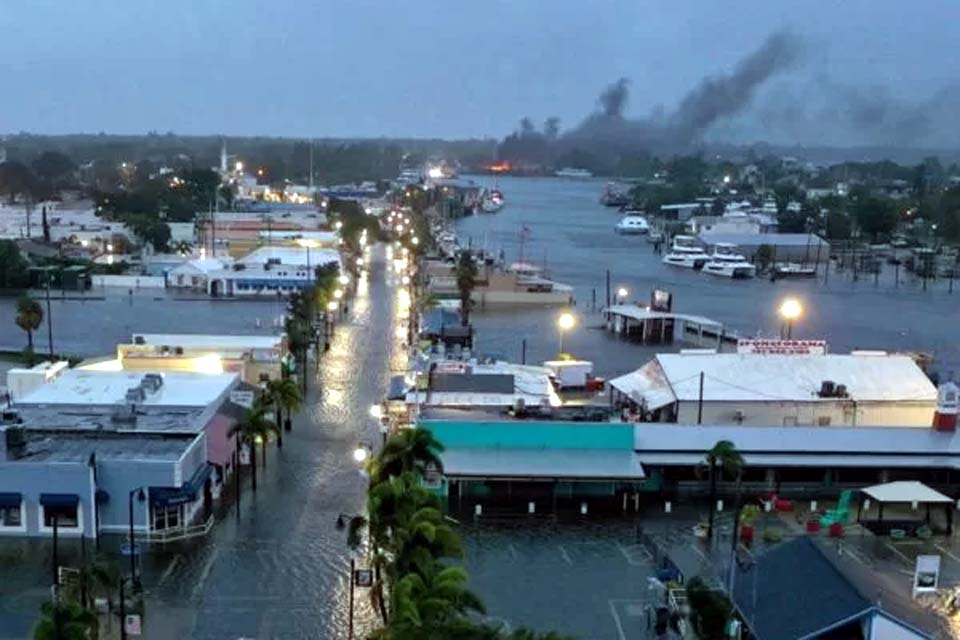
pixel 573 236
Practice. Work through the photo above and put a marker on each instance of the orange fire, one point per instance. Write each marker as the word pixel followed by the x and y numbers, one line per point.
pixel 499 167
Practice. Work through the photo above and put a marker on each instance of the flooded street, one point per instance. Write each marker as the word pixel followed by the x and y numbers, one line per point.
pixel 574 236
pixel 279 570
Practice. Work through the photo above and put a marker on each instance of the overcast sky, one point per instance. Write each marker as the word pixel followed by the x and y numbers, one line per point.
pixel 432 68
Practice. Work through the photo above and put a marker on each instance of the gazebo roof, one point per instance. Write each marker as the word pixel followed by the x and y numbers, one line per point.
pixel 906 491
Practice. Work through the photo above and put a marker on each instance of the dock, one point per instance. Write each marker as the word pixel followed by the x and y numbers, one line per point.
pixel 661 327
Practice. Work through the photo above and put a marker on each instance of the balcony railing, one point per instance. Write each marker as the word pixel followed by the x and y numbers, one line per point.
pixel 180 533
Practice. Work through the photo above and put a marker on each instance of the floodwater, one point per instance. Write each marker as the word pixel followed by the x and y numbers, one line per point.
pixel 573 235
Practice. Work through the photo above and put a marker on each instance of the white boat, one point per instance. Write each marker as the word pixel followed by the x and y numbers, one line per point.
pixel 794 270
pixel 686 253
pixel 573 173
pixel 726 262
pixel 492 201
pixel 632 225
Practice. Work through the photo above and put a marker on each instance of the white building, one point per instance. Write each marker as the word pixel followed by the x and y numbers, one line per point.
pixel 195 274
pixel 859 389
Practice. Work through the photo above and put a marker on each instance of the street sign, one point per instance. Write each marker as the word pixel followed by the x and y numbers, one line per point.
pixel 125 549
pixel 242 398
pixel 132 624
pixel 782 347
pixel 363 577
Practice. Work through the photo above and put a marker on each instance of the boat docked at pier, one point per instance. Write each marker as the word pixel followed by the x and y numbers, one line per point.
pixel 632 224
pixel 573 173
pixel 492 201
pixel 686 253
pixel 726 262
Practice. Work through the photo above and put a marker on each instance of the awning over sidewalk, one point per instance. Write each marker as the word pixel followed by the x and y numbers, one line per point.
pixel 161 496
pixel 906 491
pixel 59 499
pixel 10 500
pixel 546 464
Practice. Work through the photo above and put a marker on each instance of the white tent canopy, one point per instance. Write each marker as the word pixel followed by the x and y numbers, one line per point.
pixel 906 491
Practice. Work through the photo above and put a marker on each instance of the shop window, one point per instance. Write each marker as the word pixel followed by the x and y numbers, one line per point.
pixel 11 516
pixel 66 516
pixel 823 421
pixel 167 517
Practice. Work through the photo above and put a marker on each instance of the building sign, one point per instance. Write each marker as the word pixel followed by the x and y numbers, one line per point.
pixel 132 625
pixel 242 398
pixel 363 577
pixel 661 300
pixel 783 347
pixel 926 574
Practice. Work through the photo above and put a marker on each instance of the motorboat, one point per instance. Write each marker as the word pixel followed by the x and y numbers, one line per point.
pixel 573 173
pixel 726 262
pixel 492 201
pixel 615 195
pixel 794 270
pixel 685 252
pixel 632 225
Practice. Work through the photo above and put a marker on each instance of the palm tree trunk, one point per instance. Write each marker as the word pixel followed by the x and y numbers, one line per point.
pixel 279 415
pixel 253 463
pixel 713 499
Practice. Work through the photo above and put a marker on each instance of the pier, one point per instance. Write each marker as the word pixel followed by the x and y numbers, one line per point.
pixel 661 327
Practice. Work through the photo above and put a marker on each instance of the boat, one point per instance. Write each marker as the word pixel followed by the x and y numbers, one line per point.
pixel 632 225
pixel 794 270
pixel 573 173
pixel 614 195
pixel 492 201
pixel 686 253
pixel 726 262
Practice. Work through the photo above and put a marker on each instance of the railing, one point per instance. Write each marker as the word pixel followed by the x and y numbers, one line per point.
pixel 185 533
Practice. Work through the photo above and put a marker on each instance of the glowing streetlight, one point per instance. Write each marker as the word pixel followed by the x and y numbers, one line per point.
pixel 360 454
pixel 338 225
pixel 415 240
pixel 331 306
pixel 790 311
pixel 565 322
pixel 622 294
pixel 376 412
pixel 344 279
pixel 239 167
pixel 406 280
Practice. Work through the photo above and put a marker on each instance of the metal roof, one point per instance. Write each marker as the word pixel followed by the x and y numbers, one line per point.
pixel 471 383
pixel 582 464
pixel 636 312
pixel 211 341
pixel 647 385
pixel 758 377
pixel 906 491
pixel 77 447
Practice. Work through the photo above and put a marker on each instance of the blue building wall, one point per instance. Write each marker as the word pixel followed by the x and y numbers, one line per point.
pixel 117 478
pixel 33 478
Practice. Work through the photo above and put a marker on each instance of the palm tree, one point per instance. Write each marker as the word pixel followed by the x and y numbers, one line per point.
pixel 100 576
pixel 65 621
pixel 284 395
pixel 255 425
pixel 466 275
pixel 426 601
pixel 722 458
pixel 410 450
pixel 29 317
pixel 182 247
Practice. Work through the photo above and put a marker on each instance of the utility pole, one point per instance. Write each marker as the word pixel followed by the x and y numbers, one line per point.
pixel 49 318
pixel 700 401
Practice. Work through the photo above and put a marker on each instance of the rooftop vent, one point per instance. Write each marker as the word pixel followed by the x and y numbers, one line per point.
pixel 827 389
pixel 124 414
pixel 151 382
pixel 139 340
pixel 135 395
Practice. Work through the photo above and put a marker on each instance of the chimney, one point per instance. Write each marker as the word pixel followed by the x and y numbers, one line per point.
pixel 945 417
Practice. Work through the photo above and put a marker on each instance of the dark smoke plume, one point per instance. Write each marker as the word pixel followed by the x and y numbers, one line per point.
pixel 609 132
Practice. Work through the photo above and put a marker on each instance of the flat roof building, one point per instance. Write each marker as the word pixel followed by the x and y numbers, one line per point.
pixel 856 389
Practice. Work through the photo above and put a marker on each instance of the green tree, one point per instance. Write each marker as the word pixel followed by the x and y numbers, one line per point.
pixel 283 395
pixel 53 167
pixel 764 256
pixel 14 272
pixel 29 317
pixel 253 427
pixel 466 274
pixel 65 621
pixel 16 179
pixel 838 226
pixel 408 451
pixel 723 459
pixel 425 601
pixel 876 217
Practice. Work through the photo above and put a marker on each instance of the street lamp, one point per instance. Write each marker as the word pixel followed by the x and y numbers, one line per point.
pixel 790 311
pixel 565 322
pixel 361 453
pixel 344 279
pixel 342 521
pixel 141 496
pixel 622 294
pixel 376 411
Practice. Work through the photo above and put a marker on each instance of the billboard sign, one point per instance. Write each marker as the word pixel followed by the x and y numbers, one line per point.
pixel 782 347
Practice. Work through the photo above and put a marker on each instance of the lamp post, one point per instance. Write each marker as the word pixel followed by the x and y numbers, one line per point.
pixel 790 310
pixel 622 294
pixel 565 322
pixel 328 324
pixel 138 491
pixel 342 520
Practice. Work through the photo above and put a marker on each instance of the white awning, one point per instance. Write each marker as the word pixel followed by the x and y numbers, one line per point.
pixel 906 491
pixel 573 464
pixel 646 386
